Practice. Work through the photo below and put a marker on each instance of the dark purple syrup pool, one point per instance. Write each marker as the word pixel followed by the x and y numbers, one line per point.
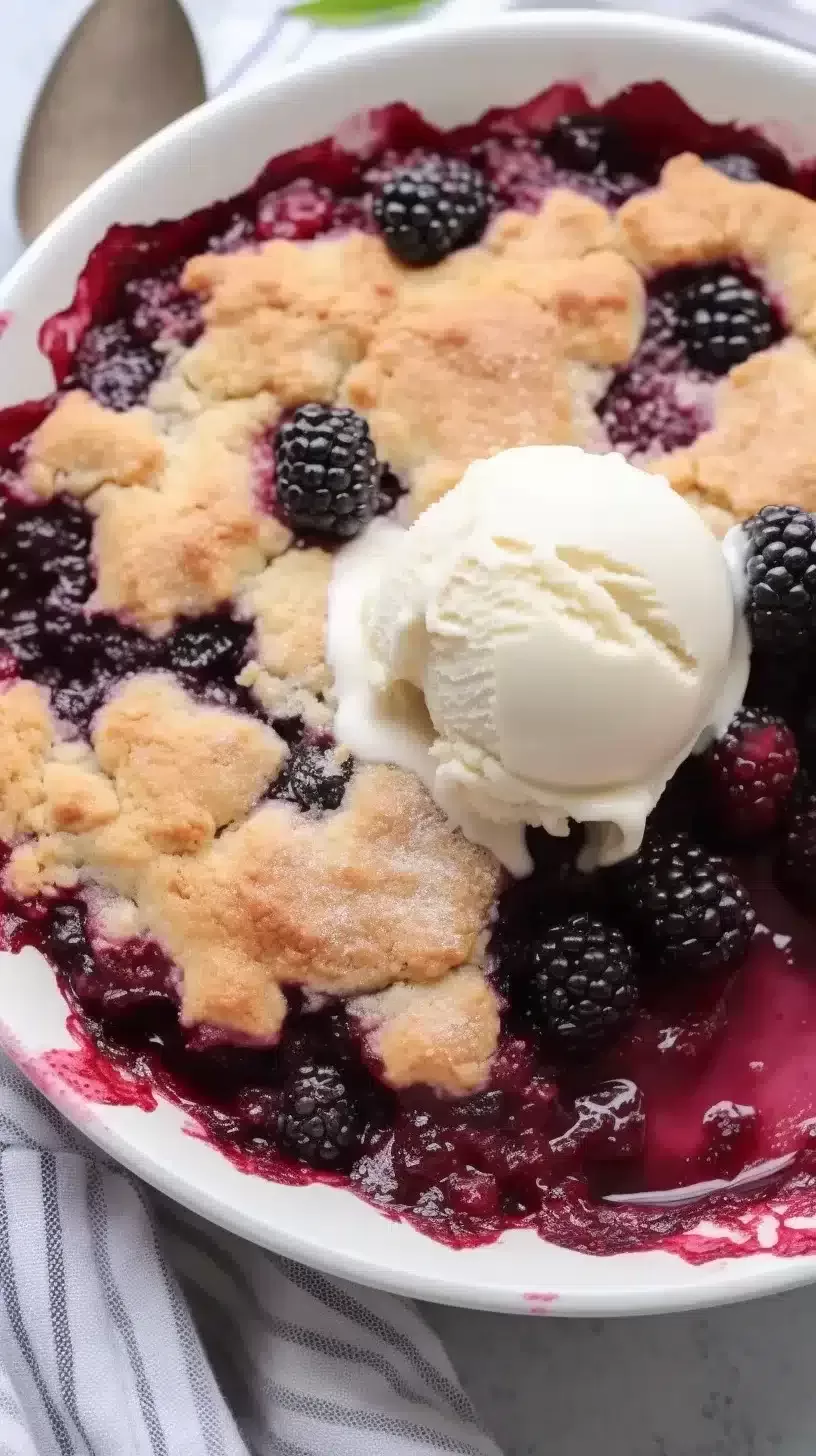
pixel 712 1079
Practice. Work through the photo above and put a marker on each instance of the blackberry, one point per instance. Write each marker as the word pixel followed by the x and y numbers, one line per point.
pixel 326 471
pixel 687 912
pixel 584 141
pixel 68 941
pixel 214 645
pixel 428 211
pixel 162 310
pixel 114 368
pixel 751 772
pixel 319 1122
pixel 724 319
pixel 316 778
pixel 795 868
pixel 582 990
pixel 736 166
pixel 781 572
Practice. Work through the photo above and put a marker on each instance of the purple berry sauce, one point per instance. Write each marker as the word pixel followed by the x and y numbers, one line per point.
pixel 711 1078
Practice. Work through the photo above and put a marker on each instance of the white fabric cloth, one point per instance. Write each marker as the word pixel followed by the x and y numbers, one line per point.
pixel 130 1328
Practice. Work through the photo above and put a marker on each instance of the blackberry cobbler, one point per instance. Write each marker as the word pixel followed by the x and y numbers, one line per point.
pixel 293 942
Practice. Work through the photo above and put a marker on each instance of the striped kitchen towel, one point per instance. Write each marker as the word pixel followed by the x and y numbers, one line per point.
pixel 130 1328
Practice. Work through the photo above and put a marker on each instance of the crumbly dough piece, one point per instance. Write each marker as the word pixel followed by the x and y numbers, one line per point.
pixel 697 215
pixel 381 891
pixel 181 771
pixel 289 602
pixel 26 735
pixel 187 548
pixel 289 318
pixel 78 800
pixel 167 773
pixel 566 225
pixel 82 445
pixel 762 446
pixel 563 258
pixel 461 375
pixel 442 1035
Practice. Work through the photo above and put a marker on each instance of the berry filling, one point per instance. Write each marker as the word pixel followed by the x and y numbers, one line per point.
pixel 658 1019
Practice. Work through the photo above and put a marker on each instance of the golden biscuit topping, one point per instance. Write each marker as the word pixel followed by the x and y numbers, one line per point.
pixel 26 733
pixel 290 603
pixel 289 318
pixel 462 375
pixel 443 1035
pixel 81 446
pixel 762 447
pixel 383 890
pixel 166 775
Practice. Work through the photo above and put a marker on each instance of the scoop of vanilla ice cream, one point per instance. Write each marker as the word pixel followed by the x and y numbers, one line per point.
pixel 552 638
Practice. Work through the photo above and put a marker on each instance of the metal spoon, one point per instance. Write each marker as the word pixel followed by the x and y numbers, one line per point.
pixel 127 70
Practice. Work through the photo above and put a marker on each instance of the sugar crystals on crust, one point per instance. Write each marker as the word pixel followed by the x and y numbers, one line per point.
pixel 562 257
pixel 81 446
pixel 288 318
pixel 26 733
pixel 188 546
pixel 289 602
pixel 462 374
pixel 381 891
pixel 442 1035
pixel 762 446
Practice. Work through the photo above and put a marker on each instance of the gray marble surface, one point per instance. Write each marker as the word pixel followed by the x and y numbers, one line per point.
pixel 732 1382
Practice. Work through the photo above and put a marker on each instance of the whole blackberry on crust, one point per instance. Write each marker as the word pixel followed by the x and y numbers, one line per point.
pixel 781 572
pixel 326 471
pixel 428 211
pixel 687 912
pixel 582 990
pixel 318 1122
pixel 795 868
pixel 725 319
pixel 751 771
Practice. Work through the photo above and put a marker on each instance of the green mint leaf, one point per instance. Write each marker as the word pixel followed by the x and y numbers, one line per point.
pixel 355 12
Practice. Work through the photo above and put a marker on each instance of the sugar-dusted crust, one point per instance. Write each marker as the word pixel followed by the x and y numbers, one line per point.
pixel 443 1035
pixel 697 215
pixel 565 226
pixel 563 258
pixel 77 799
pixel 187 547
pixel 381 891
pixel 289 602
pixel 462 374
pixel 181 771
pixel 762 447
pixel 81 446
pixel 167 773
pixel 288 318
pixel 26 736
